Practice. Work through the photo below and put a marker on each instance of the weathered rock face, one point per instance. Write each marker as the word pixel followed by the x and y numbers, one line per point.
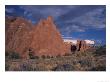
pixel 18 36
pixel 47 39
pixel 82 45
pixel 68 47
pixel 42 39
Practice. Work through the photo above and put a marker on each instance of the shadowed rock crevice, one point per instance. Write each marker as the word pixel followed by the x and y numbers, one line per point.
pixel 73 48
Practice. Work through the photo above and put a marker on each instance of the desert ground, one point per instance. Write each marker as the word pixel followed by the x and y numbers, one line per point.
pixel 77 61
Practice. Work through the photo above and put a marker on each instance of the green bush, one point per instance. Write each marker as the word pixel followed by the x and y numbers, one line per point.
pixel 12 55
pixel 35 57
pixel 43 56
pixel 85 62
pixel 32 55
pixel 100 51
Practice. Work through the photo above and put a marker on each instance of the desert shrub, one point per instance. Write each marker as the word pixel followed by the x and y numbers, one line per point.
pixel 13 55
pixel 85 62
pixel 43 56
pixel 58 56
pixel 26 67
pixel 7 54
pixel 52 57
pixel 58 68
pixel 31 56
pixel 100 51
pixel 36 57
pixel 99 68
pixel 31 67
pixel 67 54
pixel 6 67
pixel 83 53
pixel 68 67
pixel 64 67
pixel 48 57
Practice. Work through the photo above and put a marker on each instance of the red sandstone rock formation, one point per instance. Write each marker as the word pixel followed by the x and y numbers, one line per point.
pixel 68 47
pixel 18 36
pixel 41 39
pixel 81 45
pixel 47 39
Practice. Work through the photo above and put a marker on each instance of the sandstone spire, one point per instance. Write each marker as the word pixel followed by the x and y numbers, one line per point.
pixel 82 45
pixel 42 39
pixel 48 39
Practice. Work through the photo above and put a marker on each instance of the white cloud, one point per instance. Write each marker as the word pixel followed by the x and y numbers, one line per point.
pixel 90 41
pixel 75 41
pixel 70 41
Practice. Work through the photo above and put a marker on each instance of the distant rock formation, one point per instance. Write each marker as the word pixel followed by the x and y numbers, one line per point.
pixel 42 39
pixel 82 45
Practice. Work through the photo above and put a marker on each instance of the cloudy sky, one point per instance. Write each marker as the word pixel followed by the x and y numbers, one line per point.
pixel 74 21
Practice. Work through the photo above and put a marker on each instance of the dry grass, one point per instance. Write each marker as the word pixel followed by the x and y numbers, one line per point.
pixel 79 61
